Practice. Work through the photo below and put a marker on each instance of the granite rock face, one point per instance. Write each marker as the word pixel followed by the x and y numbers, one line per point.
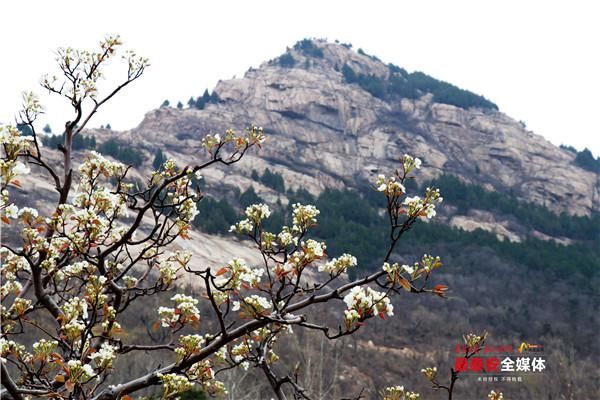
pixel 324 132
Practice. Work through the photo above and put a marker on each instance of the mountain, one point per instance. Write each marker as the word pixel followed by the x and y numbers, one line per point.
pixel 336 116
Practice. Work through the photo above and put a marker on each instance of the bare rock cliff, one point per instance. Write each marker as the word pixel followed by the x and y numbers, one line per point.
pixel 325 132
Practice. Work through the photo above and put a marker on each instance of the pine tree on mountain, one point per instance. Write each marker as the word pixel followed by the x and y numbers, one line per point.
pixel 191 103
pixel 206 96
pixel 159 159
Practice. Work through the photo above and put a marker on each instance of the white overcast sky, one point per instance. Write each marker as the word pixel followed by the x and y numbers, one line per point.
pixel 538 60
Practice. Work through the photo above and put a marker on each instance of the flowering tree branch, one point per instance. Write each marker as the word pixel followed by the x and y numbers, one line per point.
pixel 108 244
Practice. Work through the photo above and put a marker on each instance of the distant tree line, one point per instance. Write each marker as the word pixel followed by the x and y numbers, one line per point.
pixel 286 60
pixel 413 85
pixel 470 196
pixel 584 158
pixel 216 216
pixel 198 103
pixel 201 101
pixel 357 218
pixel 348 217
pixel 80 142
pixel 270 179
pixel 308 48
pixel 122 151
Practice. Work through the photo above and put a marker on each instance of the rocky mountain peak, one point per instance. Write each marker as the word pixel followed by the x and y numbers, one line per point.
pixel 329 58
pixel 336 116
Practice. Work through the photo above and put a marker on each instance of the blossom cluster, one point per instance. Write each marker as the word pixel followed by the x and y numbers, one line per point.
pixel 21 305
pixel 309 251
pixel 390 186
pixel 393 187
pixel 253 305
pixel 8 347
pixel 255 213
pixel 42 349
pixel 79 373
pixel 394 270
pixel 105 356
pixel 178 193
pixel 185 310
pixel 474 341
pixel 235 275
pixel 254 136
pixel 425 266
pixel 32 106
pixel 304 216
pixel 14 145
pixel 339 265
pixel 11 265
pixel 239 351
pixel 398 393
pixel 102 200
pixel 90 220
pixel 169 266
pixel 95 288
pixel 493 395
pixel 362 302
pixel 109 323
pixel 423 207
pixel 74 319
pixel 84 65
pixel 409 163
pixel 96 166
pixel 76 269
pixel 190 344
pixel 429 372
pixel 174 384
pixel 202 372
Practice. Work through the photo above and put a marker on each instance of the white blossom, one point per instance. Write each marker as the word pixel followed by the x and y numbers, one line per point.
pixel 389 186
pixel 78 372
pixel 43 348
pixel 11 211
pixel 366 302
pixel 286 238
pixel 257 212
pixel 105 356
pixel 28 212
pixel 493 395
pixel 244 226
pixel 174 384
pixel 409 162
pixel 304 216
pixel 21 169
pixel 167 316
pixel 256 304
pixel 338 265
